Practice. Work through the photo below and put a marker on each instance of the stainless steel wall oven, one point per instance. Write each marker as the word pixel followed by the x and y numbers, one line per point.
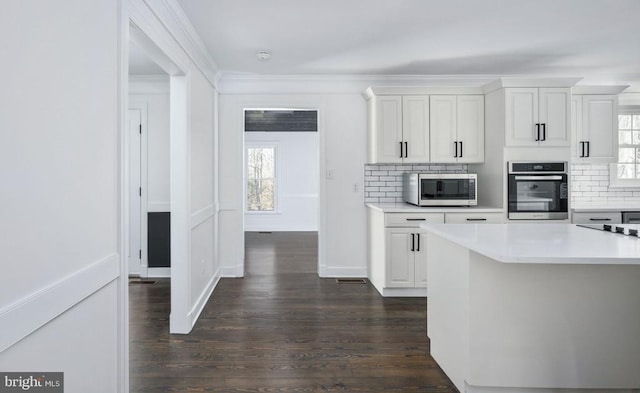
pixel 538 191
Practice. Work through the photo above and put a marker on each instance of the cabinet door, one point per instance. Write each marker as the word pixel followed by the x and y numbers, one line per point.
pixel 576 127
pixel 600 127
pixel 555 115
pixel 400 265
pixel 521 116
pixel 420 259
pixel 443 129
pixel 388 128
pixel 415 128
pixel 470 132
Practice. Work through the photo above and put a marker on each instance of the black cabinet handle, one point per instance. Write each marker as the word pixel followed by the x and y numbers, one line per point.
pixel 416 219
pixel 413 242
pixel 537 132
pixel 476 219
pixel 588 149
pixel 406 149
pixel 401 154
pixel 461 149
pixel 544 131
pixel 418 235
pixel 455 147
pixel 599 219
pixel 581 149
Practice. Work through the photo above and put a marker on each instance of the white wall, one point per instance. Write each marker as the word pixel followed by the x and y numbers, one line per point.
pixel 60 191
pixel 168 38
pixel 342 138
pixel 297 182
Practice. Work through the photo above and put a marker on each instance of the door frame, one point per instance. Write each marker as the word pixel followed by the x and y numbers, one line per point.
pixel 289 102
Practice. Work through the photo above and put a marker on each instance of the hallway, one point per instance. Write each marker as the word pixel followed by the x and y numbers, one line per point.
pixel 283 329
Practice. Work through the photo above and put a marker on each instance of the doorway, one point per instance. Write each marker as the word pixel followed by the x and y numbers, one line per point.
pixel 281 172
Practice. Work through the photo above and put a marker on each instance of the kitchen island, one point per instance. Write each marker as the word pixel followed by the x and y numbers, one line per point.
pixel 534 307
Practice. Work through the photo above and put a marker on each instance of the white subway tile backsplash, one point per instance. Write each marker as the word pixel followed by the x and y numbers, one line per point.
pixel 590 183
pixel 383 182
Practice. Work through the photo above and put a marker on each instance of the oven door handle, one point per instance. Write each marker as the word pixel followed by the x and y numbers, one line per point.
pixel 551 177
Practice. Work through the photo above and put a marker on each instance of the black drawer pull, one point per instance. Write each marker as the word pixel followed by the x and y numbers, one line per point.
pixel 599 219
pixel 416 219
pixel 476 219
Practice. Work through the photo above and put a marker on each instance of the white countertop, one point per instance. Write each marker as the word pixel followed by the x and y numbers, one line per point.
pixel 409 208
pixel 605 206
pixel 542 243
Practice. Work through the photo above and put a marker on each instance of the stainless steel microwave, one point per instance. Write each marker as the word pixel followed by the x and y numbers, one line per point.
pixel 440 189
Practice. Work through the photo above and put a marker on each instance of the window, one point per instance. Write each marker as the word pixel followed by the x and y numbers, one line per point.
pixel 627 168
pixel 261 178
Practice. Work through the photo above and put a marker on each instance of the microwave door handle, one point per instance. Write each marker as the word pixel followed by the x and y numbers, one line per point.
pixel 550 177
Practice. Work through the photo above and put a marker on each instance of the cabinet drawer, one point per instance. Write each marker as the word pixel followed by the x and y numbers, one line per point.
pixel 474 218
pixel 412 220
pixel 597 218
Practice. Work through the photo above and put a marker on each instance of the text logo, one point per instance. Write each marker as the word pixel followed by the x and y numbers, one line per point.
pixel 49 382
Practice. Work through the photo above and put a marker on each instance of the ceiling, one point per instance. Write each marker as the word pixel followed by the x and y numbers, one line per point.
pixel 595 39
pixel 141 64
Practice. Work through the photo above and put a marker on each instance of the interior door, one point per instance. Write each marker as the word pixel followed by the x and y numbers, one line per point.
pixel 135 219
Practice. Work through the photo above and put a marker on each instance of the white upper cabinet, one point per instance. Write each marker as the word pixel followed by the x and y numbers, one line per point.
pixel 398 129
pixel 537 116
pixel 401 121
pixel 457 128
pixel 415 129
pixel 385 129
pixel 595 128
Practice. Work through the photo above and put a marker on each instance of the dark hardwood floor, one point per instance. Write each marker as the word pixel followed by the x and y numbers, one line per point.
pixel 283 329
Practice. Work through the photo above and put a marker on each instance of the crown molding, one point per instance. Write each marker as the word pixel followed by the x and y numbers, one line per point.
pixel 342 84
pixel 169 28
pixel 173 17
pixel 530 81
pixel 607 90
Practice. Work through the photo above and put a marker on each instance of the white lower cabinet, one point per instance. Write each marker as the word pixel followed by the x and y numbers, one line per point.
pixel 397 247
pixel 597 217
pixel 406 257
pixel 397 258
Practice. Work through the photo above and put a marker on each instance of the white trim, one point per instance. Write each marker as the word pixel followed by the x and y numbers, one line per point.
pixel 199 305
pixel 495 389
pixel 158 207
pixel 158 272
pixel 202 215
pixel 229 272
pixel 615 183
pixel 402 292
pixel 23 317
pixel 419 90
pixel 340 272
pixel 182 31
pixel 604 89
pixel 180 195
pixel 529 81
pixel 122 185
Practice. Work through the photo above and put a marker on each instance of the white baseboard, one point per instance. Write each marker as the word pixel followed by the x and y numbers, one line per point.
pixel 158 272
pixel 204 297
pixel 485 389
pixel 21 318
pixel 342 272
pixel 229 272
